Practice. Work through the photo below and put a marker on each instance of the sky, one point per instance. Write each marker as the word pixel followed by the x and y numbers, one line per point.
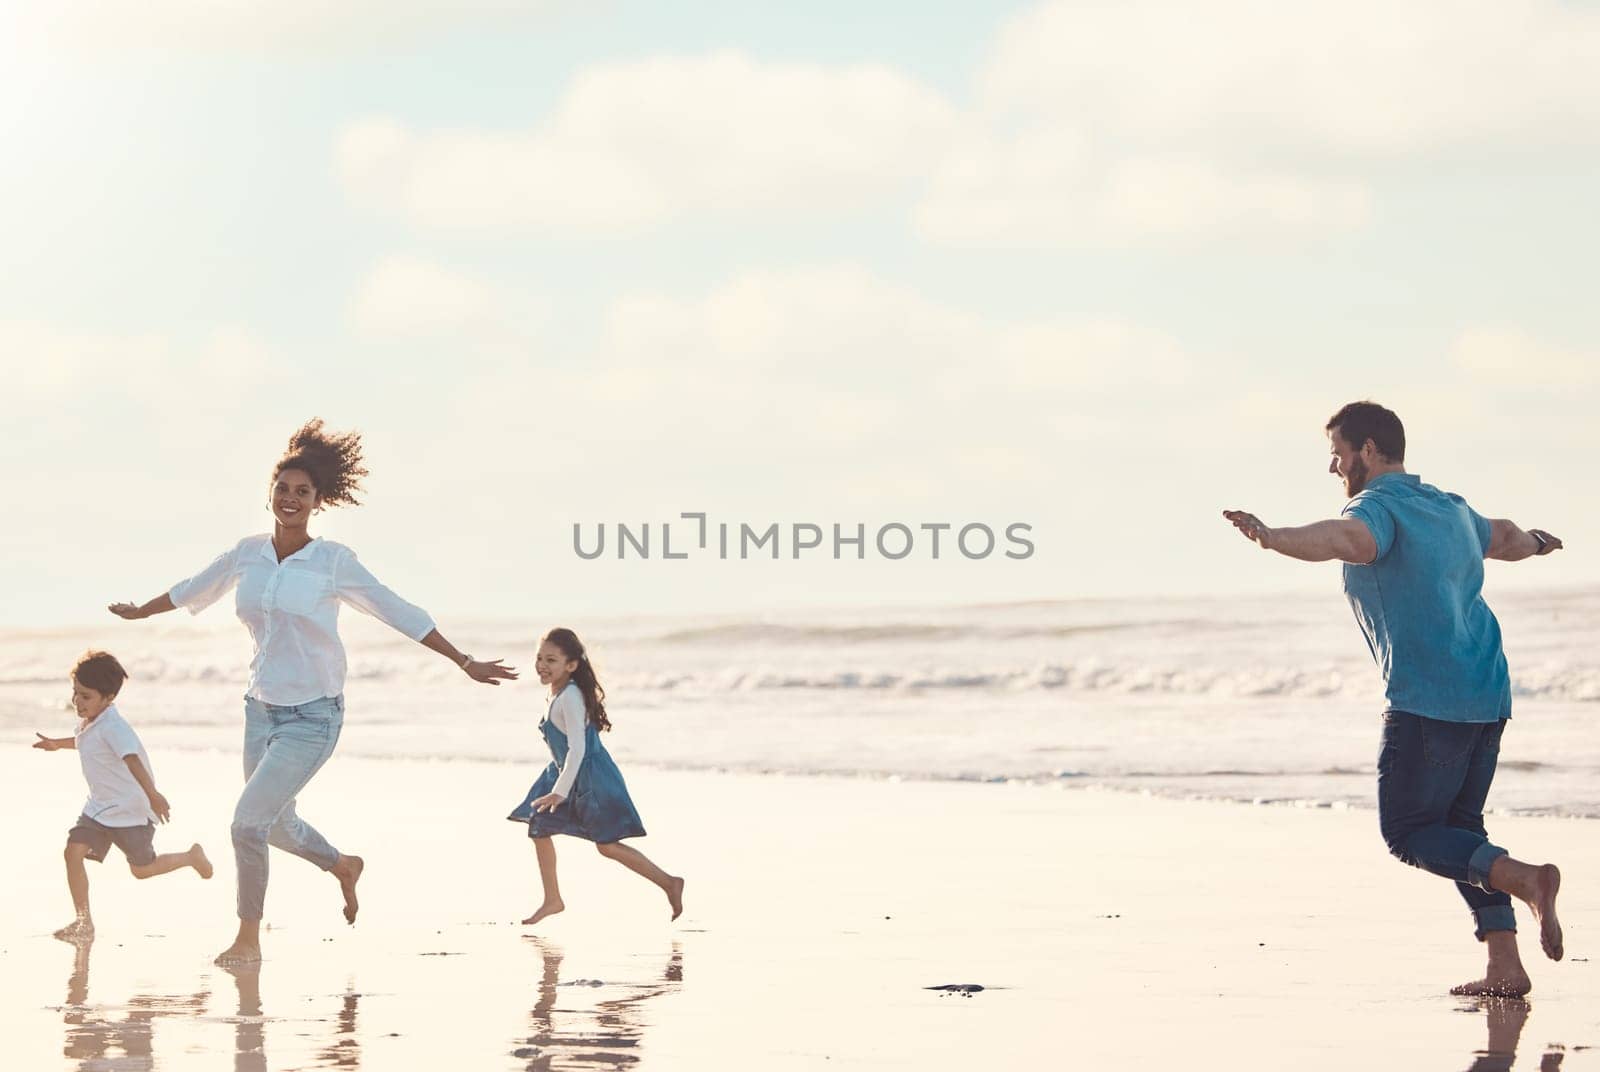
pixel 1100 269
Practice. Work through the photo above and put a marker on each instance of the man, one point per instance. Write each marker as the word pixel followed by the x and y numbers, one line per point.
pixel 1413 573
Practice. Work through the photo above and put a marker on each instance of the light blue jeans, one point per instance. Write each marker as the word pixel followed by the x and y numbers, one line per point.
pixel 283 748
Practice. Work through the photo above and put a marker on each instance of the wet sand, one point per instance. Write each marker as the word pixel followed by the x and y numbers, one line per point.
pixel 1108 930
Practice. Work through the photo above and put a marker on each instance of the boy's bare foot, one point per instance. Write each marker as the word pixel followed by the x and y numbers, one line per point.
pixel 79 930
pixel 1543 903
pixel 348 872
pixel 1511 984
pixel 549 908
pixel 675 897
pixel 199 861
pixel 237 954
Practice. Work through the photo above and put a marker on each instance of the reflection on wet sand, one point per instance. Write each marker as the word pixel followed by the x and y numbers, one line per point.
pixel 343 1050
pixel 96 1040
pixel 608 1033
pixel 1506 1018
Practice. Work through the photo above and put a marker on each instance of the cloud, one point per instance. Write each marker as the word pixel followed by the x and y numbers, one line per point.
pixel 1364 77
pixel 633 146
pixel 410 298
pixel 1509 357
pixel 818 372
pixel 1159 120
pixel 1087 124
pixel 264 25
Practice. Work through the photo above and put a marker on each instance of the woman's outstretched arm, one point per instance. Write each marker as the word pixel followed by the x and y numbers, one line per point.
pixel 491 672
pixel 159 605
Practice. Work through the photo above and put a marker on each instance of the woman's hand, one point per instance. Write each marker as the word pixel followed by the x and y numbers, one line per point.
pixel 549 802
pixel 490 673
pixel 127 611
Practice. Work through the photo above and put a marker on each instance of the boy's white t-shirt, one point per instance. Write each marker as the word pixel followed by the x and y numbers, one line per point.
pixel 115 796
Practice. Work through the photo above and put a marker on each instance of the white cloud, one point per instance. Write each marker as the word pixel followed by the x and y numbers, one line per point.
pixel 1359 77
pixel 1509 357
pixel 817 372
pixel 631 146
pixel 263 25
pixel 1152 120
pixel 411 298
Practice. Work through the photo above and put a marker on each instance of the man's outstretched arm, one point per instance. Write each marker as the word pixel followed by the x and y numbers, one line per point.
pixel 1345 538
pixel 1509 543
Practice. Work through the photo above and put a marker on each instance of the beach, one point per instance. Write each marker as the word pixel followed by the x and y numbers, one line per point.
pixel 1106 929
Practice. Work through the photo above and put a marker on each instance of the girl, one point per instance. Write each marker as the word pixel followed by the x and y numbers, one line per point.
pixel 581 792
pixel 289 587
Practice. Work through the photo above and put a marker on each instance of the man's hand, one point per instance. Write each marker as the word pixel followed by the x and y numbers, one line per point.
pixel 1251 526
pixel 159 805
pixel 1547 542
pixel 549 802
pixel 48 744
pixel 127 611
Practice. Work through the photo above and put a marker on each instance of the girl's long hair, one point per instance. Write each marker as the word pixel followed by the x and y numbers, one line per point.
pixel 594 697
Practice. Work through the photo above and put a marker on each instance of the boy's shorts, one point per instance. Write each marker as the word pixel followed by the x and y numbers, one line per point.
pixel 138 843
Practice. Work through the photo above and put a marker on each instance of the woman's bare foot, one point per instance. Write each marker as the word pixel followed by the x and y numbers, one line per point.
pixel 1512 984
pixel 79 930
pixel 237 954
pixel 1543 903
pixel 348 872
pixel 549 908
pixel 199 861
pixel 675 897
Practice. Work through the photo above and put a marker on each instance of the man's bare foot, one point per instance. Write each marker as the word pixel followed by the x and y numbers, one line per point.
pixel 1510 984
pixel 238 954
pixel 549 908
pixel 348 872
pixel 199 861
pixel 675 897
pixel 1543 903
pixel 79 930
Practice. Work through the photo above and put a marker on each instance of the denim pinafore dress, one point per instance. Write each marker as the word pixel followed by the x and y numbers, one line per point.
pixel 599 808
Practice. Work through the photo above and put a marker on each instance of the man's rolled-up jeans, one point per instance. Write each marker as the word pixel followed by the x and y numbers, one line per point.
pixel 283 748
pixel 1433 780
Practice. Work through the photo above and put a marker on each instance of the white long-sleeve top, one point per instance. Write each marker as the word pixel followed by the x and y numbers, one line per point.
pixel 571 717
pixel 292 611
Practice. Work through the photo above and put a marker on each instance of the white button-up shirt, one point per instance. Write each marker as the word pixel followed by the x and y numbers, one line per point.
pixel 292 611
pixel 115 796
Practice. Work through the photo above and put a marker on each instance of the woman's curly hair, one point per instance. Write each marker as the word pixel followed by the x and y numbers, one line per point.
pixel 332 460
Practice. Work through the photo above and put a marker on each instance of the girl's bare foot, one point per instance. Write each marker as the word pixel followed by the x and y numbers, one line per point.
pixel 79 930
pixel 198 861
pixel 549 908
pixel 237 954
pixel 675 897
pixel 1512 984
pixel 348 872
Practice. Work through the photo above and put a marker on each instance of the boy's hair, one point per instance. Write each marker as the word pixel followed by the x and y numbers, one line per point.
pixel 100 671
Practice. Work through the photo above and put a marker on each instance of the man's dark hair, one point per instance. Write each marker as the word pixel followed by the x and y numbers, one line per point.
pixel 100 671
pixel 1360 421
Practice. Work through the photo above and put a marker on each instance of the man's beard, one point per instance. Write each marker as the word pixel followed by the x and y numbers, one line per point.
pixel 1356 479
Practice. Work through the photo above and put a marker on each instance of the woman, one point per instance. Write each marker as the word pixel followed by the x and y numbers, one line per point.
pixel 289 587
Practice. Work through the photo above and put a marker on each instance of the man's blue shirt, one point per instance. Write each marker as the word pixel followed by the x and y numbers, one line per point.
pixel 1420 602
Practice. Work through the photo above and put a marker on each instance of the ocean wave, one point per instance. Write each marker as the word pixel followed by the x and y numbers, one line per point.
pixel 1572 683
pixel 775 634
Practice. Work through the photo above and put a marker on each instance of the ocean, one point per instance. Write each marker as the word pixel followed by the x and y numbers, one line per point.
pixel 1262 700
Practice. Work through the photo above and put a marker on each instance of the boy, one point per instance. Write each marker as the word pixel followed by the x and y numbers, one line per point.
pixel 123 800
